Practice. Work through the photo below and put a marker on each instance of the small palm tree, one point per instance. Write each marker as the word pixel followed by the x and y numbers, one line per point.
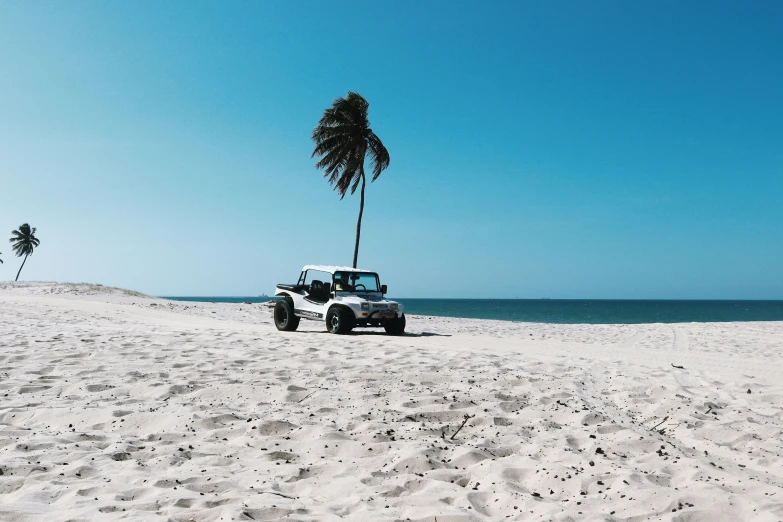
pixel 24 242
pixel 343 138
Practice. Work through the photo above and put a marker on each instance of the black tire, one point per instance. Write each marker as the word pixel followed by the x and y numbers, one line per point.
pixel 339 320
pixel 285 320
pixel 395 326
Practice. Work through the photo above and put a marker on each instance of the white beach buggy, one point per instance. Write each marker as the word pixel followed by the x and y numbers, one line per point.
pixel 343 297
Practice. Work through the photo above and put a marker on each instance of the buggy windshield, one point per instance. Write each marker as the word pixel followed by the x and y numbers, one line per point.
pixel 356 282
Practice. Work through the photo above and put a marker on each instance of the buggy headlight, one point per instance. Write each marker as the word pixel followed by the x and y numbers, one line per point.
pixel 365 306
pixel 395 306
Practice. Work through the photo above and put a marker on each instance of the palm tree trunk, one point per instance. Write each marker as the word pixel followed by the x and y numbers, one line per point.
pixel 359 222
pixel 25 259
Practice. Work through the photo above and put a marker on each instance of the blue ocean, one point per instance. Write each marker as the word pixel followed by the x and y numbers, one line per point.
pixel 575 311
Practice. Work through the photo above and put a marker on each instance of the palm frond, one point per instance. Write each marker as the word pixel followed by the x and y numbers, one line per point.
pixel 349 172
pixel 379 156
pixel 334 163
pixel 356 181
pixel 324 144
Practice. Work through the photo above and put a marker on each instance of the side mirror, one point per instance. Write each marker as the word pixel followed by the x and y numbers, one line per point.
pixel 383 289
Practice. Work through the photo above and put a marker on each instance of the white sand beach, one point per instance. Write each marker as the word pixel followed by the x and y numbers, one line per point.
pixel 117 406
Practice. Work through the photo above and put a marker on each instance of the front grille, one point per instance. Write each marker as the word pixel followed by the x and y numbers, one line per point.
pixel 380 306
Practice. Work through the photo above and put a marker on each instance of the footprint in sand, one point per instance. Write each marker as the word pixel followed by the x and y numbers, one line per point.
pixel 98 387
pixel 275 428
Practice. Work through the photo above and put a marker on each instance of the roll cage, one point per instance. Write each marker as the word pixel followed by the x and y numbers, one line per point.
pixel 303 277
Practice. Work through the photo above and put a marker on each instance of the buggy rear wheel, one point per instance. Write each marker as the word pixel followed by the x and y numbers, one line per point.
pixel 285 320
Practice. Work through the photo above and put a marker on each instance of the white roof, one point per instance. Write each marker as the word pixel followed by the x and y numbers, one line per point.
pixel 332 269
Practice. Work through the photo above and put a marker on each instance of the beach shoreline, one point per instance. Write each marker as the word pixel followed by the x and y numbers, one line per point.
pixel 119 405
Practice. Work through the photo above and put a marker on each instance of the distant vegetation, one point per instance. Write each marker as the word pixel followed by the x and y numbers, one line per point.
pixel 343 139
pixel 45 288
pixel 24 242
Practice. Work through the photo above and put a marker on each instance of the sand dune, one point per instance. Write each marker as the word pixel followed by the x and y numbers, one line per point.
pixel 115 405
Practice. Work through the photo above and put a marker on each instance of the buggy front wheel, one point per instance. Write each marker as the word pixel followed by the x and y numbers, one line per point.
pixel 395 326
pixel 339 320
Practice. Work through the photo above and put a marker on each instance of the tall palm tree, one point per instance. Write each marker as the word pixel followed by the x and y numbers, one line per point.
pixel 343 139
pixel 24 242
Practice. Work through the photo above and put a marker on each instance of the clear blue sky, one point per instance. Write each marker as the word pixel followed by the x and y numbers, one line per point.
pixel 559 149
